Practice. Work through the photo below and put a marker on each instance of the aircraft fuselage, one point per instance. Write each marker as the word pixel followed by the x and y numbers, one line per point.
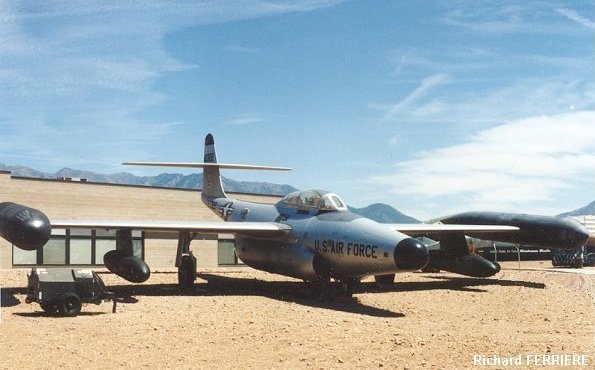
pixel 543 231
pixel 339 244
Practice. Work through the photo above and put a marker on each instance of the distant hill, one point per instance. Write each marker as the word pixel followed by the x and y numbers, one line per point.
pixel 379 212
pixel 384 213
pixel 587 210
pixel 175 180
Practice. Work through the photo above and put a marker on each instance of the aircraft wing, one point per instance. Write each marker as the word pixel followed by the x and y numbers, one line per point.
pixel 255 229
pixel 437 228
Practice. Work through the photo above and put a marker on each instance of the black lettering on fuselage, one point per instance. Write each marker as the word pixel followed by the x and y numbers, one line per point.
pixel 347 249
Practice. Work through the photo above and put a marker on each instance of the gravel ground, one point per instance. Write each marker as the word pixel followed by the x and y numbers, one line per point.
pixel 243 318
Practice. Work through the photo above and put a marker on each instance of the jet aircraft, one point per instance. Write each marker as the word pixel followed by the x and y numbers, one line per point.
pixel 311 235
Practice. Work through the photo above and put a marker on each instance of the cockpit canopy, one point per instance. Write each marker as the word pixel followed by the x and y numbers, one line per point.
pixel 313 199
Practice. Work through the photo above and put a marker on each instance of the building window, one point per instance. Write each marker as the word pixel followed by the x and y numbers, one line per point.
pixel 81 251
pixel 54 252
pixel 102 246
pixel 76 247
pixel 23 257
pixel 226 255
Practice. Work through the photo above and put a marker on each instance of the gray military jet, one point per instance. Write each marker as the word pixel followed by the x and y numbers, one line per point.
pixel 311 235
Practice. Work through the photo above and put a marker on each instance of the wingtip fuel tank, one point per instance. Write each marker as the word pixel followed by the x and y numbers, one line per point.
pixel 25 227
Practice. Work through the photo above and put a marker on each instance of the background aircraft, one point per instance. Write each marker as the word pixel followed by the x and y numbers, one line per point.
pixel 310 235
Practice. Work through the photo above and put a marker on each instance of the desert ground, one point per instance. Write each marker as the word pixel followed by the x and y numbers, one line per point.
pixel 243 318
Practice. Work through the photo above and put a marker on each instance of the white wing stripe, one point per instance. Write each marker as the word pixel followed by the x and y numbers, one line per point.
pixel 193 226
pixel 451 228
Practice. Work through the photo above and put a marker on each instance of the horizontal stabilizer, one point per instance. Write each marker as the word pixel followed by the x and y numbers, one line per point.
pixel 209 165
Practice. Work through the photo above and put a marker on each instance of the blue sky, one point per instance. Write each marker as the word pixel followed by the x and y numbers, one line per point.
pixel 432 107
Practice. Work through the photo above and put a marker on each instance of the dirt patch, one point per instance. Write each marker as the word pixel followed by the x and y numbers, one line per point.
pixel 244 318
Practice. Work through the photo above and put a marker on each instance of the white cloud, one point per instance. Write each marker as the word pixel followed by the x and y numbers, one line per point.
pixel 495 18
pixel 241 49
pixel 425 87
pixel 394 140
pixel 475 105
pixel 71 66
pixel 246 119
pixel 523 164
pixel 574 16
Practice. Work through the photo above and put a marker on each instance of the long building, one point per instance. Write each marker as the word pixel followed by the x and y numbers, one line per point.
pixel 81 200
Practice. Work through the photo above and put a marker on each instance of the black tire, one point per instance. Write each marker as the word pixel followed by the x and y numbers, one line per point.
pixel 384 279
pixel 49 308
pixel 322 290
pixel 577 264
pixel 346 289
pixel 70 304
pixel 186 273
pixel 430 268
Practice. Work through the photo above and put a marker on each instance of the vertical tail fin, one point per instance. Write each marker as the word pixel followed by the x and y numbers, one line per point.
pixel 211 178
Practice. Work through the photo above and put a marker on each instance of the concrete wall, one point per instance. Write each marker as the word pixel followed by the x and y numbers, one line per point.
pixel 73 200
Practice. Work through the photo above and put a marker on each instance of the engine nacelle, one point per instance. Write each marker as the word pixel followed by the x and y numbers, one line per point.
pixel 469 265
pixel 130 268
pixel 25 227
pixel 290 260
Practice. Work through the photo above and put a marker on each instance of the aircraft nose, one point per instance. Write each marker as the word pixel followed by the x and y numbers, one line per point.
pixel 411 254
pixel 581 234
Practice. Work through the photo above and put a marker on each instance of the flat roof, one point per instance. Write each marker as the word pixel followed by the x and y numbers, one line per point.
pixel 89 182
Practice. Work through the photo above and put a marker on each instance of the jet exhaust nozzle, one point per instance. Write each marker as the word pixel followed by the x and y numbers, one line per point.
pixel 130 268
pixel 25 227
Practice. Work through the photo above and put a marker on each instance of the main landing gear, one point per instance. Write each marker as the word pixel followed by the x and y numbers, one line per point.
pixel 187 272
pixel 327 291
pixel 185 262
pixel 384 280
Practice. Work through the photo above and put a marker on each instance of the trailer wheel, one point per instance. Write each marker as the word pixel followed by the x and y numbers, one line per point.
pixel 70 304
pixel 49 308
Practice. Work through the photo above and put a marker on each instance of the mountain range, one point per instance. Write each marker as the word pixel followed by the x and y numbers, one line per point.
pixel 379 212
pixel 587 210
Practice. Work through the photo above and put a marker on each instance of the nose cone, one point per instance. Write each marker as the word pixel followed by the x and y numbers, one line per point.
pixel 36 231
pixel 580 234
pixel 25 227
pixel 411 254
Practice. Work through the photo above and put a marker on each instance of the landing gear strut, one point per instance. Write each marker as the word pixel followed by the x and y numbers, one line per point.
pixel 185 262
